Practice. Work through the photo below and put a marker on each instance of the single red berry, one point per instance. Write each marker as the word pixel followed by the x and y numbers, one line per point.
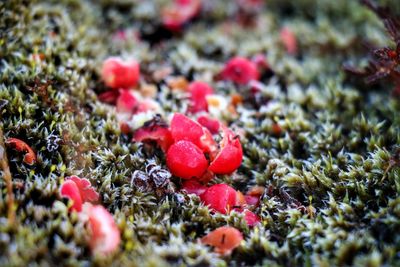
pixel 198 92
pixel 186 160
pixel 155 130
pixel 120 74
pixel 251 218
pixel 126 102
pixel 224 239
pixel 230 156
pixel 183 128
pixel 211 124
pixel 220 197
pixel 105 235
pixel 289 40
pixel 240 70
pixel 21 146
pixel 193 187
pixel 175 16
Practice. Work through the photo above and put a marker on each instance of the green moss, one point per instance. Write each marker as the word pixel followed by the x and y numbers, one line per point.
pixel 332 159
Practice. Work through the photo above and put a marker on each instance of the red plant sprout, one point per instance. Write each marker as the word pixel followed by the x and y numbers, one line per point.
pixel 79 190
pixel 105 235
pixel 155 130
pixel 21 146
pixel 183 128
pixel 212 125
pixel 193 187
pixel 240 70
pixel 198 92
pixel 186 160
pixel 224 239
pixel 176 15
pixel 117 73
pixel 220 197
pixel 289 40
pixel 230 156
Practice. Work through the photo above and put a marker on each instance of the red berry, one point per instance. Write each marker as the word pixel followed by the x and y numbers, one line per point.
pixel 211 124
pixel 193 187
pixel 289 40
pixel 224 239
pixel 251 218
pixel 120 74
pixel 220 197
pixel 155 130
pixel 105 235
pixel 230 156
pixel 198 92
pixel 126 102
pixel 183 128
pixel 240 70
pixel 186 160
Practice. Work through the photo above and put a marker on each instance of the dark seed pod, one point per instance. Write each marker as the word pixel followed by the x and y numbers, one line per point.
pixel 141 181
pixel 159 175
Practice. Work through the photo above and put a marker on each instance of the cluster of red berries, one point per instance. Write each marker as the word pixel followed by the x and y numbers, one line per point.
pixel 105 235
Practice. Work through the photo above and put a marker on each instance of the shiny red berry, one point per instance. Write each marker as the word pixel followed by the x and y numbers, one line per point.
pixel 183 128
pixel 220 197
pixel 230 156
pixel 186 160
pixel 117 73
pixel 198 92
pixel 240 70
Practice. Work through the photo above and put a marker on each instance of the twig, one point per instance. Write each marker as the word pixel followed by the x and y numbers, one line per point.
pixel 8 179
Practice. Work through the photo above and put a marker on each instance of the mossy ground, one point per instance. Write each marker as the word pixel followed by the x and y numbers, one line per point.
pixel 333 156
